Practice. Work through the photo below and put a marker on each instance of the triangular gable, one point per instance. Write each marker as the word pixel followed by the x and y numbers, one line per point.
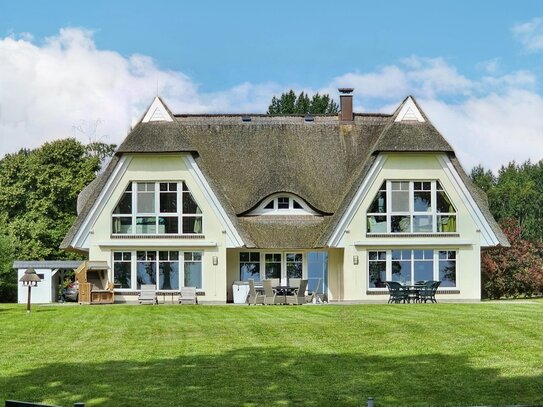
pixel 157 112
pixel 488 234
pixel 80 236
pixel 409 112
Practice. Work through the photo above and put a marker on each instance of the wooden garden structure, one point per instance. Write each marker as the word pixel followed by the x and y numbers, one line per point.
pixel 94 285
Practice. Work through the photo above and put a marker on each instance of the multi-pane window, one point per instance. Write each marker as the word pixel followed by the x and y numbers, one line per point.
pixel 272 265
pixel 249 266
pixel 294 265
pixel 411 207
pixel 377 267
pixel 161 268
pixel 122 269
pixel 447 268
pixel 193 269
pixel 283 205
pixel 409 266
pixel 258 266
pixel 157 208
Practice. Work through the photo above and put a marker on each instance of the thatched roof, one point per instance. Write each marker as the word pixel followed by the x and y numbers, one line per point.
pixel 323 161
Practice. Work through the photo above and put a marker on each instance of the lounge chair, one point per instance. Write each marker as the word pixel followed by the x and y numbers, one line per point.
pixel 148 294
pixel 188 295
pixel 299 297
pixel 397 292
pixel 314 296
pixel 254 297
pixel 270 296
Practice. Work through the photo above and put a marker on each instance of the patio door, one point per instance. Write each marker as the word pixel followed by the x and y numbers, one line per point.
pixel 317 272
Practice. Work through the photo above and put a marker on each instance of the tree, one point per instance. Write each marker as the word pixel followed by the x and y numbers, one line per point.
pixel 38 197
pixel 289 103
pixel 8 277
pixel 515 193
pixel 515 271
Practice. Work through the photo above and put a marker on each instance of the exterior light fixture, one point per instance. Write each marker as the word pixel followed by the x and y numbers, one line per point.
pixel 355 259
pixel 215 260
pixel 29 279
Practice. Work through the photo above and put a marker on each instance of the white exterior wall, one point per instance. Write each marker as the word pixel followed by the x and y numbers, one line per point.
pixel 43 293
pixel 164 167
pixel 419 167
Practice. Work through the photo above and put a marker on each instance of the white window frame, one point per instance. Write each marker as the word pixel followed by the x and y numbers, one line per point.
pixel 179 214
pixel 134 264
pixel 291 210
pixel 411 213
pixel 435 265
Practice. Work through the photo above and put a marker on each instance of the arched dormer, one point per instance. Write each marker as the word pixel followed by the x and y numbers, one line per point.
pixel 282 204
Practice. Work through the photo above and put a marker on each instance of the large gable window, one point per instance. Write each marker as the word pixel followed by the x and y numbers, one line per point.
pixel 411 207
pixel 162 208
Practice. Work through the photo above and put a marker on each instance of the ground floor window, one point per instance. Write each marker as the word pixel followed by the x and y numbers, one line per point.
pixel 407 266
pixel 160 268
pixel 312 266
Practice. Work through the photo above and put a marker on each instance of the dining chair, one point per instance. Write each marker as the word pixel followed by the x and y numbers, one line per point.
pixel 270 296
pixel 299 297
pixel 254 297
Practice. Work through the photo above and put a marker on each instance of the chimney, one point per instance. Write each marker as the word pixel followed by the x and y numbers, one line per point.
pixel 346 105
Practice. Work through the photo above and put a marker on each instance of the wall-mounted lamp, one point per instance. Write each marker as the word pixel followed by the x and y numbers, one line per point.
pixel 215 260
pixel 355 259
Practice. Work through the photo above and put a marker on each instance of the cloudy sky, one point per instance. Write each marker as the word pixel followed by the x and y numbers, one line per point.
pixel 89 69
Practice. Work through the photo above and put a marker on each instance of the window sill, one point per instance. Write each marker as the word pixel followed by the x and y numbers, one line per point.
pixel 157 236
pixel 414 235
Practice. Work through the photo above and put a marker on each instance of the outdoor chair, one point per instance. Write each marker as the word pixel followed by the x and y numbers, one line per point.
pixel 428 293
pixel 270 296
pixel 299 297
pixel 397 292
pixel 148 294
pixel 188 295
pixel 294 283
pixel 254 297
pixel 314 296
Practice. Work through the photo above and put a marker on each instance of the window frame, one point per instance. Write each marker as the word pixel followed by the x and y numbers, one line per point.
pixel 376 220
pixel 181 260
pixel 181 217
pixel 296 206
pixel 436 263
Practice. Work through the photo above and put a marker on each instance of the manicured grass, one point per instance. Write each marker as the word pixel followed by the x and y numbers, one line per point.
pixel 413 354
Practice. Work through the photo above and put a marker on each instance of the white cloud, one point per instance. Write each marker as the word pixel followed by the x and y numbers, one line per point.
pixel 530 34
pixel 66 86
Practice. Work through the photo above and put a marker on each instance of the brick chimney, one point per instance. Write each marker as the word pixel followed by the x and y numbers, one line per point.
pixel 346 105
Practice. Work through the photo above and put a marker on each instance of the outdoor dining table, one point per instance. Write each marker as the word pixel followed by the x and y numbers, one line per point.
pixel 413 291
pixel 284 290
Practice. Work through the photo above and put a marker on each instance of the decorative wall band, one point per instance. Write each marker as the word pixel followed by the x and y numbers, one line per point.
pixel 409 235
pixel 184 237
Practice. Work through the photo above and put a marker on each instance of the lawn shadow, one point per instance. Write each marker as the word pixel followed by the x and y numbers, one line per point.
pixel 278 376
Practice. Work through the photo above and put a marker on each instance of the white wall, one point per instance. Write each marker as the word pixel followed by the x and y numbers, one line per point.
pixel 42 293
pixel 467 244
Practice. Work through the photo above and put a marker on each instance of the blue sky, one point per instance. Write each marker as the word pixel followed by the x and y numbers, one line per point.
pixel 89 69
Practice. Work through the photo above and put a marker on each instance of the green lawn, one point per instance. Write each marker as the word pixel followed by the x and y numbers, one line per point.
pixel 166 355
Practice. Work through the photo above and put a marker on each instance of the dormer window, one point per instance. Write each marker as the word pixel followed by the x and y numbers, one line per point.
pixel 283 204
